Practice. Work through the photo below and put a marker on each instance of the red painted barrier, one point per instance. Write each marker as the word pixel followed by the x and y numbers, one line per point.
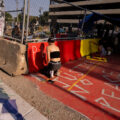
pixel 37 56
pixel 69 50
pixel 77 49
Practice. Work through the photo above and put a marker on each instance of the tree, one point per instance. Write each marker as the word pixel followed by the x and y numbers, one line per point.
pixel 33 19
pixel 46 17
pixel 8 16
pixel 43 19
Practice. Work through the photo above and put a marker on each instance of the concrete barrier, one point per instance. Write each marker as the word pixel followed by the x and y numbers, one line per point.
pixel 12 57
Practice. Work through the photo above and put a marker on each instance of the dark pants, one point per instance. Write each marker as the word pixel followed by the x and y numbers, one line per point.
pixel 53 68
pixel 54 65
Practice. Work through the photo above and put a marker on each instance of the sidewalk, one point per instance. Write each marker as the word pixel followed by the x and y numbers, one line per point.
pixel 13 107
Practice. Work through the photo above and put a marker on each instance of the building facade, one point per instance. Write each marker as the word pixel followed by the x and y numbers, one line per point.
pixel 67 15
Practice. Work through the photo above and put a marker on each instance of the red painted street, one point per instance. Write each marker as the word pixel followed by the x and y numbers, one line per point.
pixel 89 87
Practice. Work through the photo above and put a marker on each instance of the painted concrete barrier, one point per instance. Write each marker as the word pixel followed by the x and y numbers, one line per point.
pixel 89 46
pixel 12 57
pixel 37 54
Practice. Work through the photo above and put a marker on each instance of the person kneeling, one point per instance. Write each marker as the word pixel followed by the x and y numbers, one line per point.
pixel 53 55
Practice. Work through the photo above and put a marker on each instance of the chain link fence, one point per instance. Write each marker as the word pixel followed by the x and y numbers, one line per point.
pixel 26 20
pixel 13 19
pixel 38 19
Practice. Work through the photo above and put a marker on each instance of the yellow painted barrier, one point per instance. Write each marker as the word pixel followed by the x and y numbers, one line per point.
pixel 89 46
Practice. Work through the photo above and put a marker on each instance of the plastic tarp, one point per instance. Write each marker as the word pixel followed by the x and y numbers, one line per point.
pixel 88 46
pixel 90 19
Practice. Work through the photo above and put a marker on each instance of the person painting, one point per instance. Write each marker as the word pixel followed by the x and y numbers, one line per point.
pixel 53 55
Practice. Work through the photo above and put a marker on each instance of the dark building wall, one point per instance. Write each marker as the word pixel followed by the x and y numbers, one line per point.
pixel 67 15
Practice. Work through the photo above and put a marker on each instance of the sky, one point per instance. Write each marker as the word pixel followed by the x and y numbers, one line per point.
pixel 34 6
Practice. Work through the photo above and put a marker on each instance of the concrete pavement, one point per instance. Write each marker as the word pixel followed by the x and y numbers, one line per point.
pixel 13 107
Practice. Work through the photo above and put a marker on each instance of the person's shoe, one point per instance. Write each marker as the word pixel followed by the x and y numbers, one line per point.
pixel 57 74
pixel 50 81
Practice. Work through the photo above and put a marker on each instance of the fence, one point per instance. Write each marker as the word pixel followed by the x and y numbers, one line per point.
pixel 13 19
pixel 38 26
pixel 26 20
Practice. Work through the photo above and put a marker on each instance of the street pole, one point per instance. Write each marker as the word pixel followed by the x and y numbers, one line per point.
pixel 40 10
pixel 27 27
pixel 17 9
pixel 83 20
pixel 23 25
